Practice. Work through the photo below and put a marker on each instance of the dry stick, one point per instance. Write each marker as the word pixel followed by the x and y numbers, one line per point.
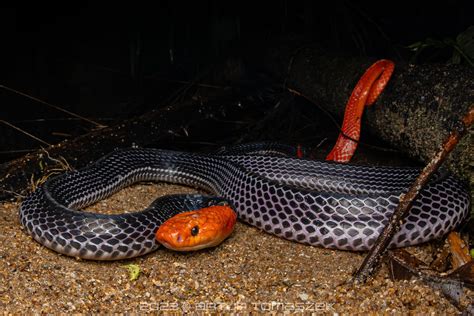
pixel 25 132
pixel 372 260
pixel 53 106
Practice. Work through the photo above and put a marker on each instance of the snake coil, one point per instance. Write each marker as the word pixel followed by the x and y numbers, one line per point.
pixel 318 203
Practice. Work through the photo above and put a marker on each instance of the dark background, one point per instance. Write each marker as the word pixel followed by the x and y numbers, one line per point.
pixel 112 61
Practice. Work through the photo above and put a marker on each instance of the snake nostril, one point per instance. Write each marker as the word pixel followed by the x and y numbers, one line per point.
pixel 179 238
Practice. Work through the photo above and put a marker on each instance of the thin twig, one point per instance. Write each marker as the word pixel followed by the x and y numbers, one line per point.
pixel 58 119
pixel 60 165
pixel 53 106
pixel 320 107
pixel 204 85
pixel 16 151
pixel 181 92
pixel 25 132
pixel 61 134
pixel 372 261
pixel 17 195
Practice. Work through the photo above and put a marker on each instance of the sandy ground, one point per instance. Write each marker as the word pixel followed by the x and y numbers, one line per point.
pixel 251 271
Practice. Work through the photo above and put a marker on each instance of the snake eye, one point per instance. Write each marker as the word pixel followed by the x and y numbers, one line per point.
pixel 195 230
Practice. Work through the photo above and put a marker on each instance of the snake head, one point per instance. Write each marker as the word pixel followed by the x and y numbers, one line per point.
pixel 194 230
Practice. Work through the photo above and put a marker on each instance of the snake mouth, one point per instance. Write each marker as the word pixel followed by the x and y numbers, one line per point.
pixel 200 246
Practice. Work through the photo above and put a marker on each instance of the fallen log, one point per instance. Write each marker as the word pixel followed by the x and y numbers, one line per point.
pixel 416 111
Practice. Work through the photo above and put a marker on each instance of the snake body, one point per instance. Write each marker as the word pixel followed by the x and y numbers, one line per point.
pixel 318 203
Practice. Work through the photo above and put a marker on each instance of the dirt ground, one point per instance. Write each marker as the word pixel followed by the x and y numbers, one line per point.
pixel 250 271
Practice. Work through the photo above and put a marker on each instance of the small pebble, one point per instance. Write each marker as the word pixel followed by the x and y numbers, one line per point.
pixel 303 296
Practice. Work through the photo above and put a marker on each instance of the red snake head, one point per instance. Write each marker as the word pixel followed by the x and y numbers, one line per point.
pixel 198 229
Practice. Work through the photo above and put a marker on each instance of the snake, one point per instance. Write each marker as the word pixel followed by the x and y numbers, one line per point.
pixel 320 203
pixel 365 93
